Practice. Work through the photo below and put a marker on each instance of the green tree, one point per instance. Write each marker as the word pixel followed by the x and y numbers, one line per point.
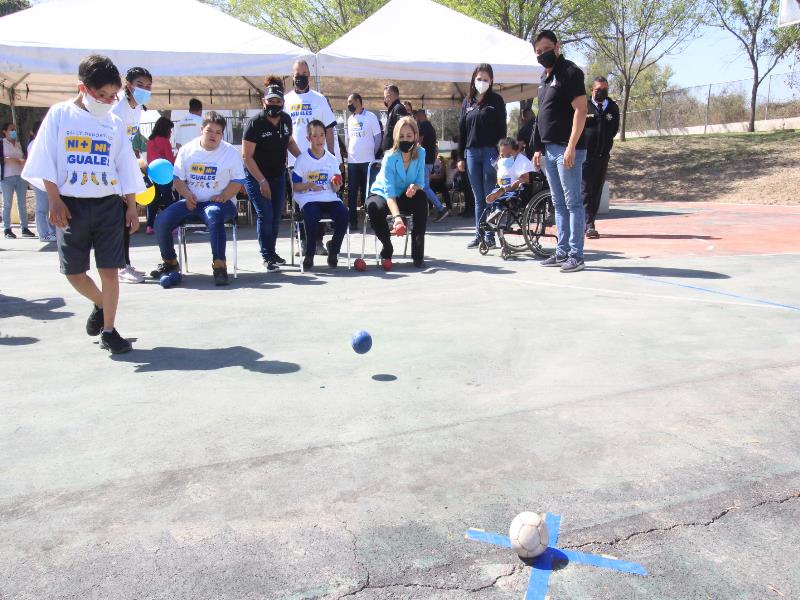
pixel 312 24
pixel 633 35
pixel 754 24
pixel 11 6
pixel 513 122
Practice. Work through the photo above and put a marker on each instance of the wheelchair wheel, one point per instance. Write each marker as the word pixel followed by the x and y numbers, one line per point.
pixel 511 230
pixel 483 248
pixel 504 253
pixel 540 225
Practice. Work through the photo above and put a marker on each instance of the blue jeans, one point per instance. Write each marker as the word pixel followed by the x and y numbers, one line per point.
pixel 9 185
pixel 213 214
pixel 432 198
pixel 312 213
pixel 268 211
pixel 482 179
pixel 565 187
pixel 43 226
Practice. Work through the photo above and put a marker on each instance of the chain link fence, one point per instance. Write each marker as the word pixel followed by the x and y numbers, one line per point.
pixel 715 104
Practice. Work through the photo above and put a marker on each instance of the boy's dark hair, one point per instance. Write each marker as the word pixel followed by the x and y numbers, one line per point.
pixel 545 34
pixel 600 79
pixel 392 88
pixel 96 71
pixel 357 96
pixel 195 105
pixel 162 128
pixel 312 124
pixel 510 142
pixel 136 72
pixel 213 117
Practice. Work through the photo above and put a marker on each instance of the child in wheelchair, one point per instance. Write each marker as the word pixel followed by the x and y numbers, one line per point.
pixel 513 169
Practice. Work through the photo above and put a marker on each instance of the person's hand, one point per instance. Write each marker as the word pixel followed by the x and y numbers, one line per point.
pixel 314 188
pixel 569 157
pixel 537 159
pixel 399 226
pixel 132 217
pixel 265 190
pixel 412 189
pixel 59 213
pixel 218 198
pixel 461 166
pixel 191 201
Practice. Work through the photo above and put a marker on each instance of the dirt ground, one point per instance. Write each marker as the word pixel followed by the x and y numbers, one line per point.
pixel 760 168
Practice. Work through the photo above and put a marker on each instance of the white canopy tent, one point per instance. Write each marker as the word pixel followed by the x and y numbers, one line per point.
pixel 429 51
pixel 192 50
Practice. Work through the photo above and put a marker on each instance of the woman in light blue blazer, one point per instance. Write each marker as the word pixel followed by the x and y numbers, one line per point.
pixel 400 188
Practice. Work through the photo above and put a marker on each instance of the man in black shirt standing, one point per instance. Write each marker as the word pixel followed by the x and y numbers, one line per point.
pixel 525 135
pixel 391 99
pixel 427 139
pixel 560 148
pixel 602 124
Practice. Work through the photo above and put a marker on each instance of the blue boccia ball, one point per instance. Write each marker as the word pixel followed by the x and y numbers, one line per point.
pixel 160 171
pixel 170 279
pixel 361 342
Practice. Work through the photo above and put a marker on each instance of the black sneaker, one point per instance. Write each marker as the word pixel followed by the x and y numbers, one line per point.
pixel 572 264
pixel 333 257
pixel 114 342
pixel 9 234
pixel 94 324
pixel 442 215
pixel 308 262
pixel 271 266
pixel 554 261
pixel 221 276
pixel 474 243
pixel 419 263
pixel 164 268
pixel 277 260
pixel 28 233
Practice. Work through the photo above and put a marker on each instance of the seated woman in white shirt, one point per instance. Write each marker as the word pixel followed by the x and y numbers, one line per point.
pixel 316 180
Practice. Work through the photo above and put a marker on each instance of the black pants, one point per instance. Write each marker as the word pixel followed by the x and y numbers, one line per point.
pixel 594 176
pixel 417 206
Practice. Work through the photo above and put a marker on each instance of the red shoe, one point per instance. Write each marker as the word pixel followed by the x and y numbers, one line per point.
pixel 386 263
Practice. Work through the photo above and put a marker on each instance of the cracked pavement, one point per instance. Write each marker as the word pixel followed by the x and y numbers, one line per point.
pixel 251 456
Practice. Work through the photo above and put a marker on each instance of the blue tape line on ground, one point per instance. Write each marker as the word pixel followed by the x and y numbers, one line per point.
pixel 491 538
pixel 717 292
pixel 543 565
pixel 604 563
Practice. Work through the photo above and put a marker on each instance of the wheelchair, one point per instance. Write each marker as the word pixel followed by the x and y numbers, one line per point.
pixel 539 219
pixel 505 217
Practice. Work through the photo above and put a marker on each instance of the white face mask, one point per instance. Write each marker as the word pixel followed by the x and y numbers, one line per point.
pixel 96 108
pixel 482 86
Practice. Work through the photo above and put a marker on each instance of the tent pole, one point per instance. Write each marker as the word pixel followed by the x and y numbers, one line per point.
pixel 12 93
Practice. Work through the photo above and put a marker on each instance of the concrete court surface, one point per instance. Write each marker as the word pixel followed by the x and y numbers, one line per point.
pixel 244 451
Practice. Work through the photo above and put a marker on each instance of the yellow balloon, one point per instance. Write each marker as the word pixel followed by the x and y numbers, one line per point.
pixel 146 197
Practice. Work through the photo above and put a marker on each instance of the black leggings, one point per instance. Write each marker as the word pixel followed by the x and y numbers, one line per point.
pixel 417 206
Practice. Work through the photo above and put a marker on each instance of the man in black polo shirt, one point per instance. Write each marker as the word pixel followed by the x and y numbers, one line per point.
pixel 391 99
pixel 602 124
pixel 560 148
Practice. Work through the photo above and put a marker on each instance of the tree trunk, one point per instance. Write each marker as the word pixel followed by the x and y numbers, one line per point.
pixel 751 127
pixel 626 94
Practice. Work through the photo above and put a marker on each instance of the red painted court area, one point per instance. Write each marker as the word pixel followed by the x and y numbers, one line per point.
pixel 652 230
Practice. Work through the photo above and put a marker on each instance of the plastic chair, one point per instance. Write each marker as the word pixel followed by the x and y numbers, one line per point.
pixel 298 228
pixel 195 223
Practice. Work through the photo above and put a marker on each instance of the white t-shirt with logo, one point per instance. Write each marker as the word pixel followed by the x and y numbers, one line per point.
pixel 361 132
pixel 130 116
pixel 188 128
pixel 319 171
pixel 84 156
pixel 304 108
pixel 506 176
pixel 208 172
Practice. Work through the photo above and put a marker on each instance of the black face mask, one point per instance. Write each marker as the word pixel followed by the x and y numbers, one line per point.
pixel 600 95
pixel 351 108
pixel 301 82
pixel 406 146
pixel 547 59
pixel 273 111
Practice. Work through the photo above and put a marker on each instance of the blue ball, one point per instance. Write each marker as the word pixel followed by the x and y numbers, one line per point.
pixel 361 342
pixel 170 279
pixel 160 171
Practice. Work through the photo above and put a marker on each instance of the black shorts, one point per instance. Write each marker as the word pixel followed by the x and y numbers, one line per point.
pixel 94 223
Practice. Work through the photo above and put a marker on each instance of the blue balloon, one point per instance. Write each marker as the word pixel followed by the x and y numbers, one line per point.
pixel 170 279
pixel 160 171
pixel 361 342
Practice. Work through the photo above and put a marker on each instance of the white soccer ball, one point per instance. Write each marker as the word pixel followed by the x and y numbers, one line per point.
pixel 529 535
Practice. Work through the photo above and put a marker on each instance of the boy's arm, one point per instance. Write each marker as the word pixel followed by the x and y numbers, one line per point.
pixel 185 192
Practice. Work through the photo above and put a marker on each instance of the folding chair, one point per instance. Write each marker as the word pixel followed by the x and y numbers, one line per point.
pixel 298 227
pixel 192 223
pixel 409 221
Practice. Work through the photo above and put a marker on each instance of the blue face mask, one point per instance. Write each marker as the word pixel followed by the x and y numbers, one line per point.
pixel 141 95
pixel 506 163
pixel 13 135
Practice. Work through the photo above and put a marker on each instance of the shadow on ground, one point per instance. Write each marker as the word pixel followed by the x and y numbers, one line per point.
pixel 165 358
pixel 662 272
pixel 41 309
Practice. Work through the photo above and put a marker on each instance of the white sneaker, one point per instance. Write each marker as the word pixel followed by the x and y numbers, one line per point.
pixel 128 275
pixel 135 271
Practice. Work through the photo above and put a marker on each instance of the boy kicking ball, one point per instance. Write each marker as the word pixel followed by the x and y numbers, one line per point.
pixel 83 160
